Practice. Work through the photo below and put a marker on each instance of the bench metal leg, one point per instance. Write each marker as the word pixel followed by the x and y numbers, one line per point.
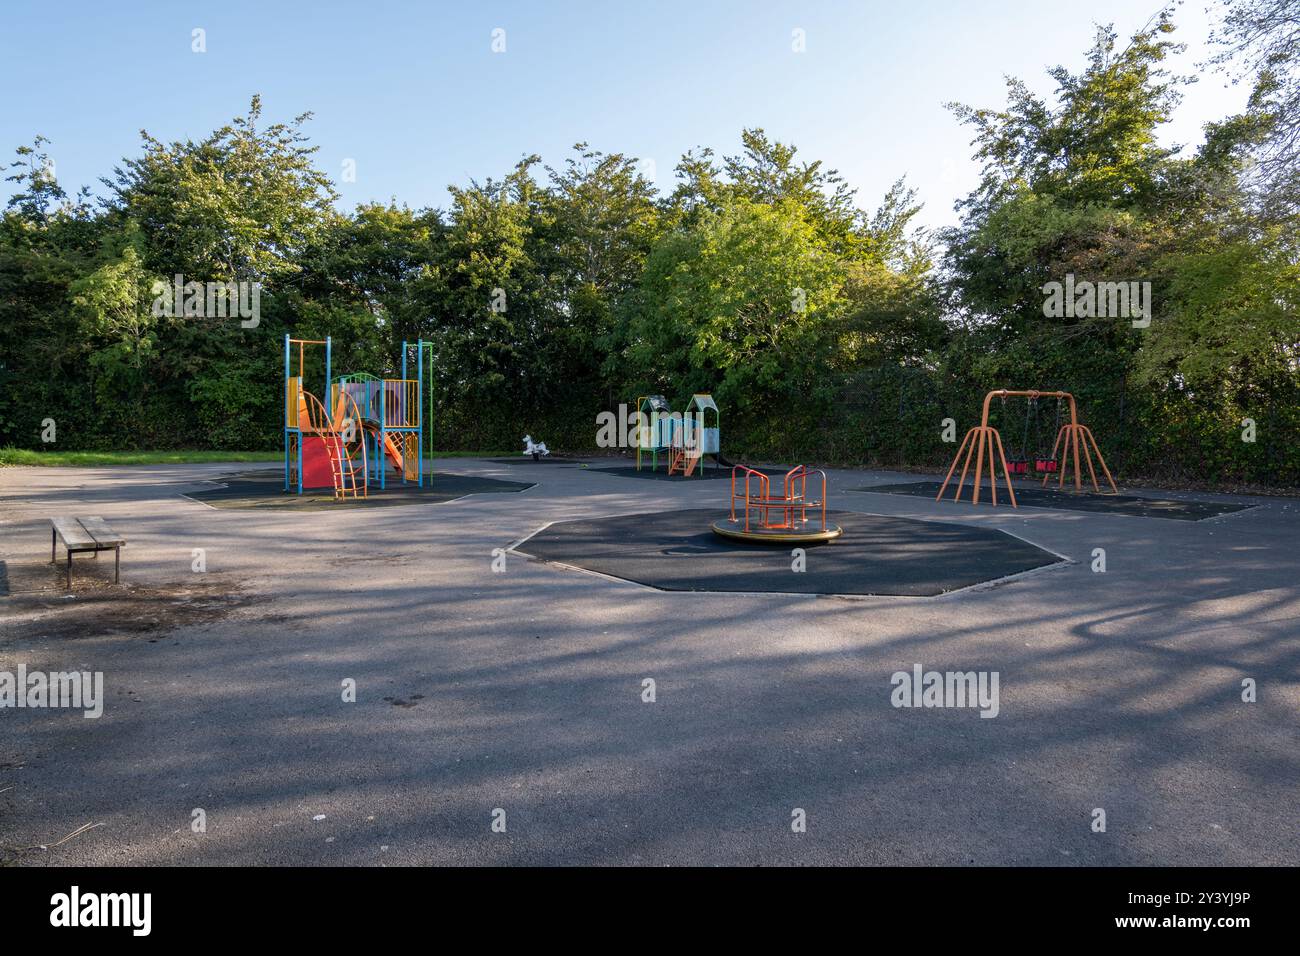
pixel 68 585
pixel 117 565
pixel 52 556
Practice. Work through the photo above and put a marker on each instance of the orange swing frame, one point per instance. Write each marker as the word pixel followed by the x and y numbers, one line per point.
pixel 1070 439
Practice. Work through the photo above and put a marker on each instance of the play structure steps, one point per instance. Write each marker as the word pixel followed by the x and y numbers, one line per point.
pixel 342 466
pixel 345 471
pixel 682 460
pixel 324 448
pixel 392 451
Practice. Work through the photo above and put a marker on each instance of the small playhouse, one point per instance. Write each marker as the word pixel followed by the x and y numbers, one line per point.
pixel 684 438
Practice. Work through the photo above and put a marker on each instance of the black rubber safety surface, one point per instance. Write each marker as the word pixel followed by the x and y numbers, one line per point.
pixel 524 460
pixel 265 489
pixel 877 554
pixel 1177 509
pixel 709 472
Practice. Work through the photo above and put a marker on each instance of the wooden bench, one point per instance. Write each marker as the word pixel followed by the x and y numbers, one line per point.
pixel 86 534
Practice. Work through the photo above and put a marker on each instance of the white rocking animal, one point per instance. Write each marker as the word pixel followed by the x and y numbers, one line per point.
pixel 537 449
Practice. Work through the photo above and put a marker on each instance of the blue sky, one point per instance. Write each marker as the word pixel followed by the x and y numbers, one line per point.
pixel 415 95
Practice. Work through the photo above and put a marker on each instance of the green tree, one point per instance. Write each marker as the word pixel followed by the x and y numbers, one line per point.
pixel 240 204
pixel 740 305
pixel 1259 41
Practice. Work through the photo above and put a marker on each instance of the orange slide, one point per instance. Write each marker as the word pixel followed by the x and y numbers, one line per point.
pixel 393 452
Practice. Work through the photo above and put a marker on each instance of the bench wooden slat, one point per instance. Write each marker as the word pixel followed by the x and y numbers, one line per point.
pixel 104 536
pixel 72 533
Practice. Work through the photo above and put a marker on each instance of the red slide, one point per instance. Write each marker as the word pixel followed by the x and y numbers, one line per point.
pixel 316 469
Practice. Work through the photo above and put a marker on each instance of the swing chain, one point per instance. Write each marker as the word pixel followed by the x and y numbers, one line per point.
pixel 1045 462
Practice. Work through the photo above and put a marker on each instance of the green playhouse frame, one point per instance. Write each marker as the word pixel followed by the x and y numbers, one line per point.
pixel 685 436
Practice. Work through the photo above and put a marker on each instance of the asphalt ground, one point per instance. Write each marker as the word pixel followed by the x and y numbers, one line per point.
pixel 609 723
pixel 1033 496
pixel 529 460
pixel 265 489
pixel 705 471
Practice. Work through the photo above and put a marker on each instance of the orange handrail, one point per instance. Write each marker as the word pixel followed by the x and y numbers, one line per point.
pixel 358 428
pixel 762 488
pixel 793 497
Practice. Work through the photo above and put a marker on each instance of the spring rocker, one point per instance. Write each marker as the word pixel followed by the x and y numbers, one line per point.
pixel 781 518
pixel 536 450
pixel 981 442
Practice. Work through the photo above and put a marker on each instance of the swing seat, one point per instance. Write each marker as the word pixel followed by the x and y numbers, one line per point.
pixel 1018 466
pixel 1045 466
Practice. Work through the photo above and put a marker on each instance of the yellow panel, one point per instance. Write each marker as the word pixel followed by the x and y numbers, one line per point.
pixel 292 389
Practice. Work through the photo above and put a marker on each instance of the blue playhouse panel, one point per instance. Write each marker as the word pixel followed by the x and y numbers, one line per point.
pixel 665 426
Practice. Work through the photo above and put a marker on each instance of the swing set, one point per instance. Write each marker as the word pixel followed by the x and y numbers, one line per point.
pixel 1071 439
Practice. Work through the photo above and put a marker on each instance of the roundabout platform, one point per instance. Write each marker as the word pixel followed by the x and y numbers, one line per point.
pixel 813 534
pixel 677 550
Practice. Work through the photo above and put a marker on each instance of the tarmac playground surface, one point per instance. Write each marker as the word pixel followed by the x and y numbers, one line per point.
pixel 525 689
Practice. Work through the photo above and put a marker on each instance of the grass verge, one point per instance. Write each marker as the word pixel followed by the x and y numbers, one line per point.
pixel 92 459
pixel 98 459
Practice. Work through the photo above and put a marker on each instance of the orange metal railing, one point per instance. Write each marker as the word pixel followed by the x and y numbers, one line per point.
pixel 351 444
pixel 792 504
pixel 401 403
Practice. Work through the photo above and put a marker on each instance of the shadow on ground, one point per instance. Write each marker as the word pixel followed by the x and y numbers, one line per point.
pixel 265 489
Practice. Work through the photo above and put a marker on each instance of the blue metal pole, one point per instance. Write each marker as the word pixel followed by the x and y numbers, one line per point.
pixel 406 412
pixel 301 372
pixel 285 423
pixel 419 404
pixel 325 395
pixel 431 414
